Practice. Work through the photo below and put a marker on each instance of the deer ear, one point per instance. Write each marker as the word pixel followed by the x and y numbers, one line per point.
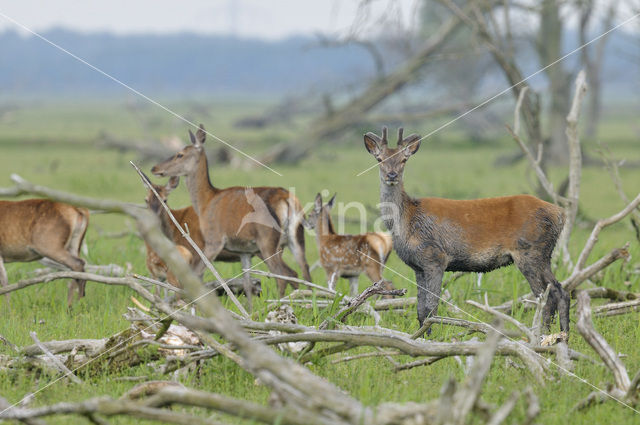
pixel 192 137
pixel 372 143
pixel 201 134
pixel 410 145
pixel 331 201
pixel 173 182
pixel 318 203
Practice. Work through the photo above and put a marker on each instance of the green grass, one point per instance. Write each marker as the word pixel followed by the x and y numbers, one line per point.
pixel 52 145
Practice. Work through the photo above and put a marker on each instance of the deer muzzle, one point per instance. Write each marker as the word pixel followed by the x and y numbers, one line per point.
pixel 391 179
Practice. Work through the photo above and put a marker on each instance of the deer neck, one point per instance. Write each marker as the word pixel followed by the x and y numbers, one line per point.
pixel 199 185
pixel 166 223
pixel 392 202
pixel 324 227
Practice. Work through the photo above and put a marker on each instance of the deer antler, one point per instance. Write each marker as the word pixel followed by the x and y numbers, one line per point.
pixel 400 131
pixel 384 135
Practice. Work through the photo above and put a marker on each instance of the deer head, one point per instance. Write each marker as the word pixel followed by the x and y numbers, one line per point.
pixel 391 160
pixel 185 160
pixel 152 201
pixel 319 211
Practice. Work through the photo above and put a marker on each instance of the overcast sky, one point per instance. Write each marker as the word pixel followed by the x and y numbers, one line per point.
pixel 250 18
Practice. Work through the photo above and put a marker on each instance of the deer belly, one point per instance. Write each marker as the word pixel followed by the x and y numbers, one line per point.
pixel 23 254
pixel 241 246
pixel 479 262
pixel 345 262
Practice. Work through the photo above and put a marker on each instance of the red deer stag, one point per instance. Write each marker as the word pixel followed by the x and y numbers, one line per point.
pixel 434 235
pixel 37 228
pixel 348 255
pixel 244 221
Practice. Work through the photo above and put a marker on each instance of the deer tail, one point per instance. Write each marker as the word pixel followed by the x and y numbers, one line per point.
pixel 381 244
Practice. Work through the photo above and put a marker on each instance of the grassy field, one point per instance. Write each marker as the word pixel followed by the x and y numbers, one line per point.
pixel 53 145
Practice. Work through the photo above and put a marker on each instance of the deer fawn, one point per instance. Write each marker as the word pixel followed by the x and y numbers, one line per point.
pixel 244 221
pixel 37 228
pixel 348 255
pixel 434 235
pixel 187 216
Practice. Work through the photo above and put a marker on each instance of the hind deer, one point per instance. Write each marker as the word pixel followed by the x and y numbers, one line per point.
pixel 36 228
pixel 244 221
pixel 348 256
pixel 434 235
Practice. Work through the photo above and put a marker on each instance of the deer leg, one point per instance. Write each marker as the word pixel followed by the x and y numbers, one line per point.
pixel 538 273
pixel 353 286
pixel 245 260
pixel 272 255
pixel 211 250
pixel 4 278
pixel 73 262
pixel 332 279
pixel 296 245
pixel 561 300
pixel 429 281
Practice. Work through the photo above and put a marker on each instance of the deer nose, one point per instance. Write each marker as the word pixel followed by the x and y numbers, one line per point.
pixel 392 175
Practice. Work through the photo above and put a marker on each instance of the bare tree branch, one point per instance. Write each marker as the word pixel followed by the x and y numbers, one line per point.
pixel 601 224
pixel 376 289
pixel 575 166
pixel 600 345
pixel 522 328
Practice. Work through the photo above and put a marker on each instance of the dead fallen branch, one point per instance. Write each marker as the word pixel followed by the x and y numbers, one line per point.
pixel 623 389
pixel 118 281
pixel 113 270
pixel 370 354
pixel 522 328
pixel 156 400
pixel 56 362
pixel 291 279
pixel 376 289
pixel 422 362
pixel 615 309
pixel 611 294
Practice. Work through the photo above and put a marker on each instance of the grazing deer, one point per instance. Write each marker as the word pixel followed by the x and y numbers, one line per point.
pixel 434 235
pixel 222 214
pixel 36 228
pixel 187 216
pixel 348 255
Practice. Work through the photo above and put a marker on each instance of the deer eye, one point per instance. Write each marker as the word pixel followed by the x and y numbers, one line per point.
pixel 179 155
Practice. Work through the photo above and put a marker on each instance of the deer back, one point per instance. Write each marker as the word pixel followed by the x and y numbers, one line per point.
pixel 30 225
pixel 489 222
